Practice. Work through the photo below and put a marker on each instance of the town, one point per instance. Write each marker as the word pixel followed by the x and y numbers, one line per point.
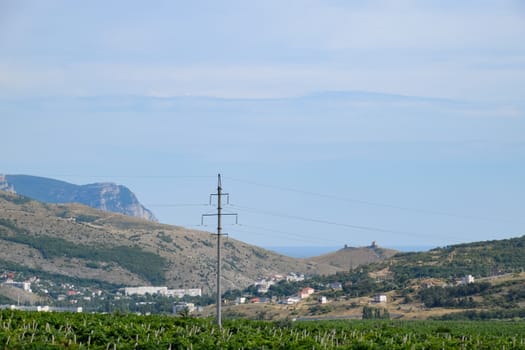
pixel 37 294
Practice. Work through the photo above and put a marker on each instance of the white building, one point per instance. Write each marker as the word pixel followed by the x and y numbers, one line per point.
pixel 264 286
pixel 468 279
pixel 380 298
pixel 22 285
pixel 192 292
pixel 178 307
pixel 292 276
pixel 292 300
pixel 179 293
pixel 45 308
pixel 145 290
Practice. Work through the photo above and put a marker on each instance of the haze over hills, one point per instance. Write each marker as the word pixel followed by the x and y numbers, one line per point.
pixel 104 196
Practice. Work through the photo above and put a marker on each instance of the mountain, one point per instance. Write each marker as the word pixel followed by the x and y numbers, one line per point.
pixel 61 241
pixel 104 196
pixel 348 258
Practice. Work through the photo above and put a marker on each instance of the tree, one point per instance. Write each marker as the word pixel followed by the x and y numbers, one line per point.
pixel 370 313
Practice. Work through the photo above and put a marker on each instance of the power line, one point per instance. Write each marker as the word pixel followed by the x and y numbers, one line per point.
pixel 370 203
pixel 288 189
pixel 284 233
pixel 334 223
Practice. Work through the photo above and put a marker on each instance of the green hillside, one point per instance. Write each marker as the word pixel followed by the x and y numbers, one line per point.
pixel 145 264
pixel 479 259
pixel 418 285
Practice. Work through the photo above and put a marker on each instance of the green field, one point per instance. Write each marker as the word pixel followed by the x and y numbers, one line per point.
pixel 32 330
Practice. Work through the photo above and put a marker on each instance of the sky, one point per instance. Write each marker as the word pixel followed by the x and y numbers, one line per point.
pixel 331 122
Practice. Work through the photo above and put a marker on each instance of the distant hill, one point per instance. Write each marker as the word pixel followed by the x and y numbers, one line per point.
pixel 481 259
pixel 75 241
pixel 484 259
pixel 103 196
pixel 348 258
pixel 478 280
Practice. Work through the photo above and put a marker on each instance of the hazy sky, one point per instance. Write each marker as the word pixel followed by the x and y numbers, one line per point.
pixel 332 122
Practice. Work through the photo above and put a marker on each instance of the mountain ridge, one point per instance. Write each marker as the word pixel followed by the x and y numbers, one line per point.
pixel 106 196
pixel 74 240
pixel 78 241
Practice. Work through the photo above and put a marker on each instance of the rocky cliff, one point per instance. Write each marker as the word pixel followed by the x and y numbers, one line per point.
pixel 104 196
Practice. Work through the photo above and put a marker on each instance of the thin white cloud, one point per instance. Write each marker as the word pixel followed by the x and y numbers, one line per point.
pixel 470 50
pixel 444 80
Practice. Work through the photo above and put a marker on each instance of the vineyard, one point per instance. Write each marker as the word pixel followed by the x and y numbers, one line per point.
pixel 31 330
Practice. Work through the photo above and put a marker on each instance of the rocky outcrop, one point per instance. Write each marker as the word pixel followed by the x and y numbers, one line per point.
pixel 104 196
pixel 114 198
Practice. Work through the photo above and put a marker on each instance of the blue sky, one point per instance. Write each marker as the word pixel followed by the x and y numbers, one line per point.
pixel 332 122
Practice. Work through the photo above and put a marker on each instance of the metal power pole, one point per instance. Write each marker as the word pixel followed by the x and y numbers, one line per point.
pixel 219 215
pixel 219 229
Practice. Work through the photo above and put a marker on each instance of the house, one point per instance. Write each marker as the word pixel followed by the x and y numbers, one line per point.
pixel 380 298
pixel 179 307
pixel 260 281
pixel 292 276
pixel 468 279
pixel 306 292
pixel 322 300
pixel 336 286
pixel 264 287
pixel 292 300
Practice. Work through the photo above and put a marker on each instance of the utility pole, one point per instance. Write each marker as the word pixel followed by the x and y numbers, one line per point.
pixel 219 215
